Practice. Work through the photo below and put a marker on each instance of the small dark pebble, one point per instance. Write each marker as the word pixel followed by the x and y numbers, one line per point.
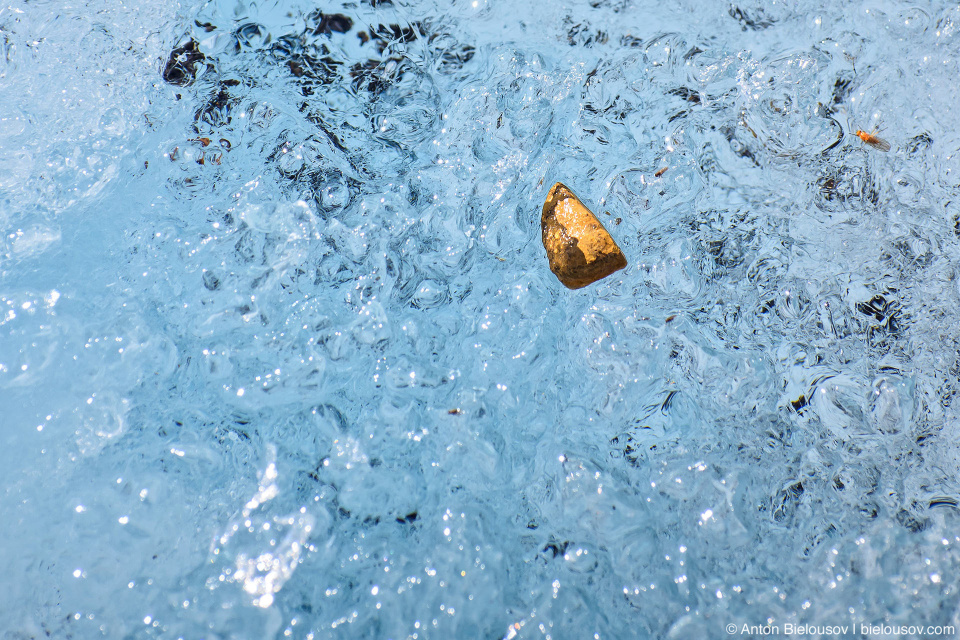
pixel 180 69
pixel 331 23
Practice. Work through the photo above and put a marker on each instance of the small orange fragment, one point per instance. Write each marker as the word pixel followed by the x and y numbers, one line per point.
pixel 580 250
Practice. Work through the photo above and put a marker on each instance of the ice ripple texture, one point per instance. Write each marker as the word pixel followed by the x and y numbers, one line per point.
pixel 280 355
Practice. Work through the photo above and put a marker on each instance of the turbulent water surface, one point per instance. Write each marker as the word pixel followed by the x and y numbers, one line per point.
pixel 281 356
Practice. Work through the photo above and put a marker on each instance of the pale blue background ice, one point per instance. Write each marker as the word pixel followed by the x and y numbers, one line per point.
pixel 228 391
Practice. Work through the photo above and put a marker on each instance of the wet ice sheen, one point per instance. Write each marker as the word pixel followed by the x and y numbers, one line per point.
pixel 280 353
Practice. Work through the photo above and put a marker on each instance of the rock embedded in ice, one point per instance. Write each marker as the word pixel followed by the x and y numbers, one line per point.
pixel 579 248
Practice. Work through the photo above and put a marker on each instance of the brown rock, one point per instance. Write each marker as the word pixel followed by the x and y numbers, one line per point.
pixel 579 248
